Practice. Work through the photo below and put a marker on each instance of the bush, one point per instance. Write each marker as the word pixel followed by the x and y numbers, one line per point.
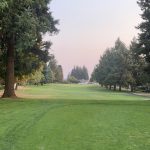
pixel 72 79
pixel 65 82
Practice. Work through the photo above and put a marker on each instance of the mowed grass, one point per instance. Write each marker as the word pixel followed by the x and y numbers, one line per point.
pixel 74 117
pixel 75 92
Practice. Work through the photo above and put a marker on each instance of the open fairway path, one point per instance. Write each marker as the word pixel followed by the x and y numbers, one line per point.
pixel 74 117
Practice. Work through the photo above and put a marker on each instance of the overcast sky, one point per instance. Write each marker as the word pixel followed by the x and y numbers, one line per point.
pixel 88 27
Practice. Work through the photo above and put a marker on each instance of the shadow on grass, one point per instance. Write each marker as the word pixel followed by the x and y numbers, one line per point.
pixel 103 89
pixel 74 101
pixel 65 102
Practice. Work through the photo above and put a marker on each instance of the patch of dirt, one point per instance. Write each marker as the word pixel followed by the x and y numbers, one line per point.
pixel 18 92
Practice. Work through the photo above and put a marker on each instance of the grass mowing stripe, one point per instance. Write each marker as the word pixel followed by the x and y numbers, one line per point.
pixel 21 123
pixel 74 117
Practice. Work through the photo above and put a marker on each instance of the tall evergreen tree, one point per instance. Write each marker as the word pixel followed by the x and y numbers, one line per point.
pixel 144 35
pixel 80 73
pixel 56 70
pixel 21 25
pixel 48 74
pixel 85 73
pixel 138 65
pixel 59 74
pixel 113 67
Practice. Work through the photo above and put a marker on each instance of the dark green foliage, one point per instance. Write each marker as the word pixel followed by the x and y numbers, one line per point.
pixel 59 74
pixel 36 77
pixel 27 61
pixel 22 26
pixel 121 67
pixel 48 74
pixel 113 67
pixel 85 73
pixel 80 73
pixel 26 19
pixel 27 23
pixel 144 36
pixel 138 66
pixel 30 60
pixel 53 66
pixel 53 72
pixel 3 5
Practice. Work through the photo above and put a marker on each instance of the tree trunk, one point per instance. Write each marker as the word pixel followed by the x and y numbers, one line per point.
pixel 115 87
pixel 132 88
pixel 120 87
pixel 9 91
pixel 109 87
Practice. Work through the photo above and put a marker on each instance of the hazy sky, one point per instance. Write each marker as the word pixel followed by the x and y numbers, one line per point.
pixel 88 27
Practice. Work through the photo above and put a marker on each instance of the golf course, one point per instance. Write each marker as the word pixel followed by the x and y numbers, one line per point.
pixel 74 117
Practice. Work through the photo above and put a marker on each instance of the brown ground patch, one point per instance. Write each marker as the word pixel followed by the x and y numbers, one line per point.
pixel 19 92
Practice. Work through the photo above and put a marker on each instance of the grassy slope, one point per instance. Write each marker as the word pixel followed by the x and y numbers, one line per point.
pixel 74 117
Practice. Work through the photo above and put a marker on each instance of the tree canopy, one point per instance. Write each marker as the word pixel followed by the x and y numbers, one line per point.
pixel 120 66
pixel 22 26
pixel 53 72
pixel 144 35
pixel 80 73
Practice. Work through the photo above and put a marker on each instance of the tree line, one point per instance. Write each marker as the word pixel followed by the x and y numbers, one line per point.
pixel 53 72
pixel 122 66
pixel 78 74
pixel 49 72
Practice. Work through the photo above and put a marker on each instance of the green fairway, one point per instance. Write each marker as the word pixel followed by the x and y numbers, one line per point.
pixel 74 117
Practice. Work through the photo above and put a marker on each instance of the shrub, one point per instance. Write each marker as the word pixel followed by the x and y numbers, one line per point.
pixel 72 79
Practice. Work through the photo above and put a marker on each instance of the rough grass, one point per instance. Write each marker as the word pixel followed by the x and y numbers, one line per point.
pixel 74 117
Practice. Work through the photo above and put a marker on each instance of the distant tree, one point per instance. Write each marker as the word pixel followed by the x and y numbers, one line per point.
pixel 97 74
pixel 113 67
pixel 48 74
pixel 72 79
pixel 121 64
pixel 85 73
pixel 36 77
pixel 59 74
pixel 80 73
pixel 56 70
pixel 53 65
